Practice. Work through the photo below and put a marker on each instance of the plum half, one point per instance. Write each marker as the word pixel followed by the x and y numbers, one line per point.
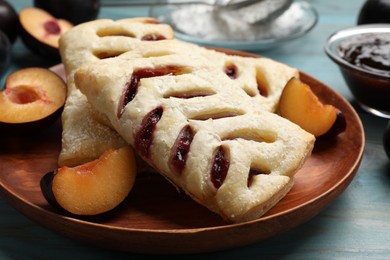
pixel 92 188
pixel 75 11
pixel 299 104
pixel 40 31
pixel 33 99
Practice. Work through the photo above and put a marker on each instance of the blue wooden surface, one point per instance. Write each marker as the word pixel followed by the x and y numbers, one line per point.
pixel 356 225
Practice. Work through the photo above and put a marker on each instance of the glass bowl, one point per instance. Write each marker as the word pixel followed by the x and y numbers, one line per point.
pixel 362 54
pixel 201 25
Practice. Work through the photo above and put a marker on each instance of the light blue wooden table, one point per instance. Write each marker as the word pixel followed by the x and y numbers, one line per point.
pixel 355 226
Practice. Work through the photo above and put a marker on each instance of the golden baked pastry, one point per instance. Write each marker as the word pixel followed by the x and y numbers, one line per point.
pixel 200 127
pixel 87 134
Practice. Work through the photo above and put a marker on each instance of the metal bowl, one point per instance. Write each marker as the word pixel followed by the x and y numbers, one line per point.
pixel 371 88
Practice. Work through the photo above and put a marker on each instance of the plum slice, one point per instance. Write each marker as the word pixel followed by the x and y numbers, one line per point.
pixel 299 104
pixel 144 136
pixel 94 187
pixel 220 167
pixel 182 147
pixel 131 87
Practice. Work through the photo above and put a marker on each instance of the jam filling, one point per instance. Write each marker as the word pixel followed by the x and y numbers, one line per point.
pixel 182 147
pixel 369 51
pixel 220 167
pixel 144 136
pixel 132 85
pixel 153 37
pixel 231 70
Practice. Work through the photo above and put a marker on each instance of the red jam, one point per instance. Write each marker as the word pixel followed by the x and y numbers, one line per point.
pixel 220 167
pixel 144 136
pixel 131 87
pixel 182 147
pixel 153 37
pixel 231 70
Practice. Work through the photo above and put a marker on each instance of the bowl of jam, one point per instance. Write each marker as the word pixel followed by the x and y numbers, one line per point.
pixel 363 56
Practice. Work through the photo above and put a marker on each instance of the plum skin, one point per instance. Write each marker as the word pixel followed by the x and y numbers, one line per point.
pixel 9 21
pixel 386 140
pixel 32 127
pixel 5 53
pixel 75 11
pixel 46 186
pixel 339 126
pixel 374 11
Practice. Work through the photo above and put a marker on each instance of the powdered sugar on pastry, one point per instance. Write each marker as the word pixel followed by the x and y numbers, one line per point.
pixel 86 134
pixel 200 129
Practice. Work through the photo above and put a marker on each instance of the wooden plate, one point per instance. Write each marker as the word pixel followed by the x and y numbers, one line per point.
pixel 155 218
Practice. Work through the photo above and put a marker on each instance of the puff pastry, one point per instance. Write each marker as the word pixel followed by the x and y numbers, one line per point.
pixel 202 118
pixel 86 133
pixel 203 130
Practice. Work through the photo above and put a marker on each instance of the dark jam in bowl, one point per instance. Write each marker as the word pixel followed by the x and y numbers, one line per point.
pixel 371 53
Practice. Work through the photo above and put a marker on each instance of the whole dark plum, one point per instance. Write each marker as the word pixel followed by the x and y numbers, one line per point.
pixel 9 21
pixel 386 140
pixel 5 53
pixel 75 11
pixel 374 11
